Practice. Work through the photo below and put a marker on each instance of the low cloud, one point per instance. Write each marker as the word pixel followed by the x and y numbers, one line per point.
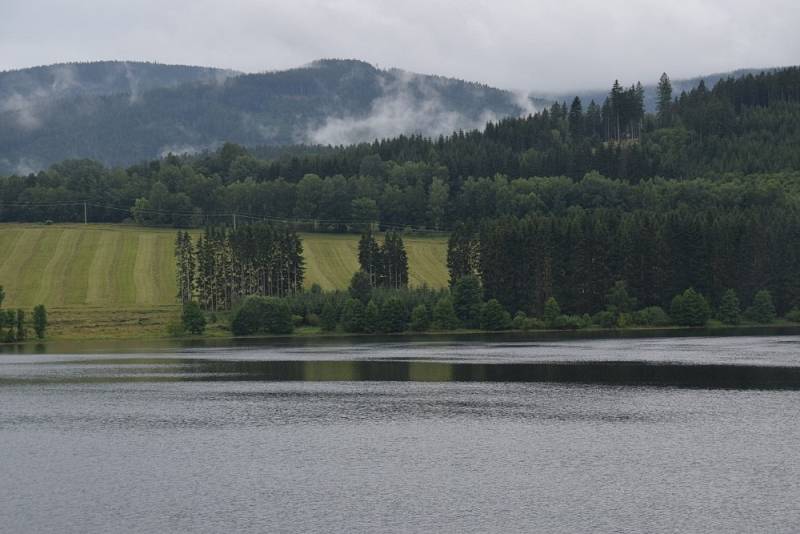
pixel 409 105
pixel 181 150
pixel 25 111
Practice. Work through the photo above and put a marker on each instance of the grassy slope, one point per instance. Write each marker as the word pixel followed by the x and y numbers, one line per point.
pixel 109 267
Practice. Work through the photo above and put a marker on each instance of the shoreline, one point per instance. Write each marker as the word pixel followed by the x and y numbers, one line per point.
pixel 134 343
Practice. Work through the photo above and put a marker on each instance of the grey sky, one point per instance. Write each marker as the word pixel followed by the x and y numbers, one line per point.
pixel 537 44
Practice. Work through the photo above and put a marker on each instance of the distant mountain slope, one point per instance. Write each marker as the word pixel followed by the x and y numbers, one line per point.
pixel 678 85
pixel 101 78
pixel 91 112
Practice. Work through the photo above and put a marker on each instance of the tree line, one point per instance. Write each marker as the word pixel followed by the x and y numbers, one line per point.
pixel 577 256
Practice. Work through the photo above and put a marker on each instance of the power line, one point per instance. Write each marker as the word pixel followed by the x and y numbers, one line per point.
pixel 226 215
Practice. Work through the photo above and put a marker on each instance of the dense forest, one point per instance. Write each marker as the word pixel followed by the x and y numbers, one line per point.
pixel 599 155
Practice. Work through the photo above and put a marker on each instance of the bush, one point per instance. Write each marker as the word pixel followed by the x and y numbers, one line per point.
pixel 360 287
pixel 329 318
pixel 618 300
pixel 729 309
pixel 444 316
pixel 551 311
pixel 372 318
pixel 690 308
pixel 605 319
pixel 568 322
pixel 467 300
pixel 353 316
pixel 312 319
pixel 651 316
pixel 393 315
pixel 262 315
pixel 762 310
pixel 520 321
pixel 534 323
pixel 193 319
pixel 420 318
pixel 793 315
pixel 494 316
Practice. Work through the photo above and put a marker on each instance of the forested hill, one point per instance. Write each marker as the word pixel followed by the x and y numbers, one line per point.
pixel 121 113
pixel 651 89
pixel 98 78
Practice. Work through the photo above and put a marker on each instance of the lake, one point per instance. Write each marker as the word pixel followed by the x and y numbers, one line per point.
pixel 682 434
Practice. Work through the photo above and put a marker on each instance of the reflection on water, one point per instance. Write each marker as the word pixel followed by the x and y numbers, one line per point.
pixel 591 372
pixel 423 437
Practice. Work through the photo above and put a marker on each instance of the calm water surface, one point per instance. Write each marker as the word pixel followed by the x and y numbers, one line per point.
pixel 670 435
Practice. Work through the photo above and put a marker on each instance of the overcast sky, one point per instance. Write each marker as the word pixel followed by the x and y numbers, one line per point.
pixel 544 45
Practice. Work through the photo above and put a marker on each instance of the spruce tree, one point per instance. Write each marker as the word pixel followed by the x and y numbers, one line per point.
pixel 444 316
pixel 40 321
pixel 467 299
pixel 664 101
pixel 729 308
pixel 762 310
pixel 372 318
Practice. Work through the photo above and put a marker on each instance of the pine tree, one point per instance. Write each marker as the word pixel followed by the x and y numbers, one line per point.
pixel 370 257
pixel 729 309
pixel 576 119
pixel 664 102
pixel 40 321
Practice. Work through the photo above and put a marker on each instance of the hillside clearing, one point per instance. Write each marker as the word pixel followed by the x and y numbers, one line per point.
pixel 96 266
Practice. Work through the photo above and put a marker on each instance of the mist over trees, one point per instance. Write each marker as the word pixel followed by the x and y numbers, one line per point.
pixel 739 128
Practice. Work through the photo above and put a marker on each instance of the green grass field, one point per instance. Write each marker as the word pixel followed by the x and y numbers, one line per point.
pixel 111 267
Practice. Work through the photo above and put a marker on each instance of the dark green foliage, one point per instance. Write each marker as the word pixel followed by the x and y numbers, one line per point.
pixel 20 330
pixel 444 316
pixel 618 300
pixel 352 318
pixel 370 258
pixel 462 253
pixel 570 322
pixel 729 308
pixel 467 300
pixel 395 262
pixel 372 318
pixel 192 318
pixel 605 319
pixel 360 287
pixel 329 318
pixel 664 102
pixel 793 315
pixel 40 321
pixel 259 315
pixel 520 321
pixel 650 316
pixel 690 308
pixel 763 309
pixel 393 315
pixel 420 318
pixel 551 311
pixel 494 317
pixel 2 295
